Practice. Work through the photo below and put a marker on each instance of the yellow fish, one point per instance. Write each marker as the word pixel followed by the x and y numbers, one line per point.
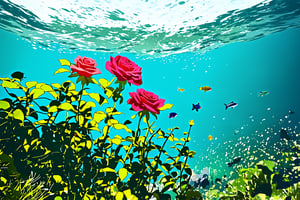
pixel 180 89
pixel 205 88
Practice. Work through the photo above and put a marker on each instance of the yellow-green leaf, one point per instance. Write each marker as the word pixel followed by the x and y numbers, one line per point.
pixel 109 92
pixel 61 70
pixel 88 105
pixel 57 178
pixel 95 96
pixel 3 180
pixel 89 144
pixel 127 193
pixel 47 88
pixel 56 85
pixel 4 104
pixel 122 173
pixel 66 106
pixel 111 122
pixel 119 196
pixel 166 106
pixel 99 116
pixel 30 84
pixel 122 126
pixel 52 109
pixel 107 169
pixel 11 85
pixel 64 62
pixel 103 82
pixel 18 114
pixel 99 182
pixel 116 141
pixel 94 81
pixel 37 92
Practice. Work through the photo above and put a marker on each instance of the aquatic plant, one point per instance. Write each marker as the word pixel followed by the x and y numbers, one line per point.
pixel 266 180
pixel 73 139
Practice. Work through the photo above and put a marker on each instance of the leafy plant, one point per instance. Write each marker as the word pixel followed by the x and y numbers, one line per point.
pixel 263 181
pixel 73 139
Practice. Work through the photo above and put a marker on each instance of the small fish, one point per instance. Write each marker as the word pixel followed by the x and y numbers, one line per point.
pixel 205 88
pixel 263 93
pixel 230 105
pixel 235 161
pixel 181 89
pixel 291 112
pixel 210 137
pixel 196 107
pixel 172 115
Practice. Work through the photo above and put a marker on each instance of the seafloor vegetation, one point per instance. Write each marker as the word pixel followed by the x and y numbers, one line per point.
pixel 61 142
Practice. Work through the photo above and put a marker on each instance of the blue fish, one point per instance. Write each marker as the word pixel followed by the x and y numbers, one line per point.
pixel 230 105
pixel 172 115
pixel 196 107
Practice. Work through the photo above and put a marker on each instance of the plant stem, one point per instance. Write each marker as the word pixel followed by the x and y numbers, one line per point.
pixel 77 115
pixel 181 171
pixel 137 130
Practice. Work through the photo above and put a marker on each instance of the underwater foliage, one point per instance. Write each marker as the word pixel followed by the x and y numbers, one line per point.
pixel 266 180
pixel 72 140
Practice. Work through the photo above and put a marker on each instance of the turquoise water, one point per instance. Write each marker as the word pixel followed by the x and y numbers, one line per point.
pixel 236 55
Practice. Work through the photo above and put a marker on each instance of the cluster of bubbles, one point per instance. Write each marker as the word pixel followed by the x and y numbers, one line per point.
pixel 253 146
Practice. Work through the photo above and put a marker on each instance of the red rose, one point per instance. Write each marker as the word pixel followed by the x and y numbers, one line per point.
pixel 124 69
pixel 85 66
pixel 144 100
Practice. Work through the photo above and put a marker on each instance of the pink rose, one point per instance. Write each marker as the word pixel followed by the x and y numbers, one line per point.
pixel 144 100
pixel 85 66
pixel 124 69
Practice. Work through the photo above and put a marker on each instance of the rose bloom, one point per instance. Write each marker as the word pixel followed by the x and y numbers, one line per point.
pixel 85 66
pixel 144 100
pixel 124 69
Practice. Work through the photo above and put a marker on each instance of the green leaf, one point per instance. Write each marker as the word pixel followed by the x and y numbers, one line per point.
pixel 64 62
pixel 119 196
pixel 99 116
pixel 3 180
pixel 66 106
pixel 111 122
pixel 89 144
pixel 36 92
pixel 31 84
pixel 61 70
pixel 122 173
pixel 94 96
pixel 267 163
pixel 122 126
pixel 11 85
pixel 4 105
pixel 58 198
pixel 166 106
pixel 88 105
pixel 56 85
pixel 109 91
pixel 18 114
pixel 103 82
pixel 73 75
pixel 57 178
pixel 107 169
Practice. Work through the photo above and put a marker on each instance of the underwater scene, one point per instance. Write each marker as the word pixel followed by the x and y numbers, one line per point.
pixel 138 99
